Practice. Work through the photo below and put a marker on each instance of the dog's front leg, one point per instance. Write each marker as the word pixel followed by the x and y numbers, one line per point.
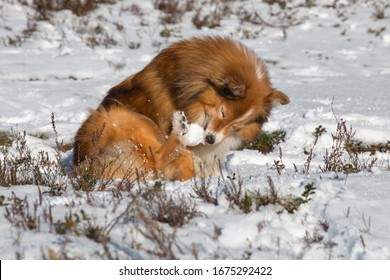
pixel 173 158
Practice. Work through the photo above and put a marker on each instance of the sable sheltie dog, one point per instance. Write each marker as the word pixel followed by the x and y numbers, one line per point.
pixel 142 126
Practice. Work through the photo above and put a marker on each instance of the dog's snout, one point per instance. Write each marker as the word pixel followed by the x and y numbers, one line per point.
pixel 210 139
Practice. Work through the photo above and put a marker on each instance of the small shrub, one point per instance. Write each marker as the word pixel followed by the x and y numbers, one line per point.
pixel 361 147
pixel 279 165
pixel 271 197
pixel 18 213
pixel 172 11
pixel 380 8
pixel 134 45
pixel 85 177
pixel 247 201
pixel 203 192
pixel 166 33
pixel 18 165
pixel 376 31
pixel 309 190
pixel 314 238
pixel 81 224
pixel 266 142
pixel 164 241
pixel 18 39
pixel 78 7
pixel 210 14
pixel 70 225
pixel 345 155
pixel 281 14
pixel 98 36
pixel 175 211
pixel 5 139
pixel 324 225
pixel 319 131
pixel 234 193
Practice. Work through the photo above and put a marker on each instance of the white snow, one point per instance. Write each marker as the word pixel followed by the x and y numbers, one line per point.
pixel 195 135
pixel 330 66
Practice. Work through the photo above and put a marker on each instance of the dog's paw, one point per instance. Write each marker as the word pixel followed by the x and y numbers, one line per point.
pixel 189 134
pixel 179 123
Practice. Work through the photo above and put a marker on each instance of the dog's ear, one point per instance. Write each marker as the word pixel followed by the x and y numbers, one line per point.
pixel 277 97
pixel 228 87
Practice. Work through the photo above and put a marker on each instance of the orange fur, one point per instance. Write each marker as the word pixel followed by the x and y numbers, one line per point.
pixel 218 83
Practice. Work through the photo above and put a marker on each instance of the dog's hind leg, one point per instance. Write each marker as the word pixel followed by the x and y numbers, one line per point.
pixel 174 160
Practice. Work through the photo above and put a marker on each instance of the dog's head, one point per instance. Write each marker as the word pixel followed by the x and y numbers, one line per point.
pixel 224 87
pixel 235 105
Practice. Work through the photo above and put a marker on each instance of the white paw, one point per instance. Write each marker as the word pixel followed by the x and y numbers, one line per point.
pixel 179 123
pixel 189 134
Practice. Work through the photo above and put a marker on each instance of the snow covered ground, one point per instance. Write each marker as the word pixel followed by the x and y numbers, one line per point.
pixel 334 64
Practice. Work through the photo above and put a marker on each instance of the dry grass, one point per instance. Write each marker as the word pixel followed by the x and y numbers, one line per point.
pixel 45 8
pixel 249 201
pixel 161 207
pixel 346 154
pixel 154 213
pixel 210 14
pixel 319 131
pixel 5 139
pixel 172 11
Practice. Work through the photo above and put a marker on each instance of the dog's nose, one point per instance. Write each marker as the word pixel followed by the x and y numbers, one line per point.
pixel 210 139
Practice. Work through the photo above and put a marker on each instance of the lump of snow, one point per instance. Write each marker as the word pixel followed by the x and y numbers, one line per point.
pixel 194 135
pixel 386 38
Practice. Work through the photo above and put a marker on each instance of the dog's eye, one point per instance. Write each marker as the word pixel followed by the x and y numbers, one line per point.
pixel 222 112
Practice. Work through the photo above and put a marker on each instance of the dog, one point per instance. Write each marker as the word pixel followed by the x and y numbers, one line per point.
pixel 212 87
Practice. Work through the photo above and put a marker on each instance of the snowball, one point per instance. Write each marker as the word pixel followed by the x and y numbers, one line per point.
pixel 194 135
